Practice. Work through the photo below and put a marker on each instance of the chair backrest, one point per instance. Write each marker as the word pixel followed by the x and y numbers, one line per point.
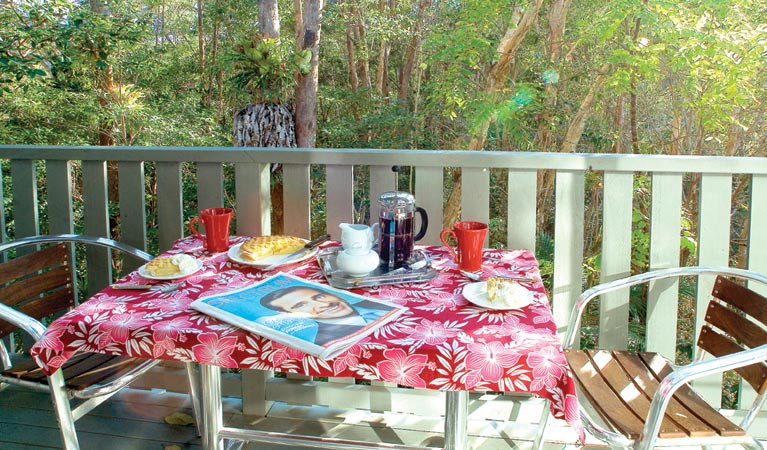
pixel 39 284
pixel 734 323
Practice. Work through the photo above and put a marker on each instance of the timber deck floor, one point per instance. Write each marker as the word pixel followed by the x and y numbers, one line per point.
pixel 135 419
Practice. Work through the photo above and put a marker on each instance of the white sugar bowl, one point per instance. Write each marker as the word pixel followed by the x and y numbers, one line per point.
pixel 357 265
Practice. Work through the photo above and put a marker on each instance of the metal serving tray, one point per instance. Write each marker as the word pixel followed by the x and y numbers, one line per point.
pixel 418 269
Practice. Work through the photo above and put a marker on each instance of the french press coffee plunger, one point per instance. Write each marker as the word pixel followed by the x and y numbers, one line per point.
pixel 396 219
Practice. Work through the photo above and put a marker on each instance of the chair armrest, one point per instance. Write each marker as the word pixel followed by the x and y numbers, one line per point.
pixel 76 238
pixel 682 375
pixel 29 324
pixel 573 327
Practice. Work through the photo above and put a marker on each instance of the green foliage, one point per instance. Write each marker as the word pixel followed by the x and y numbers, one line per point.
pixel 265 69
pixel 29 41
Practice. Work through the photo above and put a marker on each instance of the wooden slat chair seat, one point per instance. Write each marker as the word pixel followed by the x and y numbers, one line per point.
pixel 39 286
pixel 81 372
pixel 642 400
pixel 621 385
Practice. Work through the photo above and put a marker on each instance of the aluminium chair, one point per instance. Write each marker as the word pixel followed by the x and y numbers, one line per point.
pixel 643 401
pixel 41 285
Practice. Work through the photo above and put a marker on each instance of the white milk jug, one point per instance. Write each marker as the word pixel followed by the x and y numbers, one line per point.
pixel 358 257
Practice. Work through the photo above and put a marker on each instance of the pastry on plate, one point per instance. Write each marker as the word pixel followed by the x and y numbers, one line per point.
pixel 260 247
pixel 504 291
pixel 165 266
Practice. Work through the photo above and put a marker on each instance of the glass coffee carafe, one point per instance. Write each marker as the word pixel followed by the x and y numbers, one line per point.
pixel 397 222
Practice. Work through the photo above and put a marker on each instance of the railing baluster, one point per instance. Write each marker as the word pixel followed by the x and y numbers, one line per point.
pixel 339 197
pixel 568 242
pixel 170 212
pixel 382 179
pixel 757 257
pixel 475 195
pixel 713 250
pixel 210 185
pixel 296 194
pixel 428 195
pixel 132 208
pixel 96 223
pixel 254 202
pixel 521 209
pixel 616 254
pixel 58 178
pixel 664 253
pixel 24 196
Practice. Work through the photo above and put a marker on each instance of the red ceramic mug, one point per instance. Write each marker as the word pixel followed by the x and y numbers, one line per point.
pixel 216 222
pixel 471 240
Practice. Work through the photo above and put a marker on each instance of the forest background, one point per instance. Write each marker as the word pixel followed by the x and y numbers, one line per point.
pixel 685 77
pixel 682 77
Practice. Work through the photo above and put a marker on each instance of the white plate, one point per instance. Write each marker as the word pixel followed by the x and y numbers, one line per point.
pixel 234 255
pixel 143 272
pixel 476 293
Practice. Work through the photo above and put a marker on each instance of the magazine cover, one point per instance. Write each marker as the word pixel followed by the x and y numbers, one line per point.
pixel 312 317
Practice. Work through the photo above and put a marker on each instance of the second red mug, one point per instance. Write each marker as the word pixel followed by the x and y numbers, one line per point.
pixel 216 222
pixel 471 241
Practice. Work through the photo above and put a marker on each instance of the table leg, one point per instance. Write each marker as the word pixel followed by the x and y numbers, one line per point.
pixel 456 420
pixel 212 411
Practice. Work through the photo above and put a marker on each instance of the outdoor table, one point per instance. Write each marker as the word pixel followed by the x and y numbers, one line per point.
pixel 442 342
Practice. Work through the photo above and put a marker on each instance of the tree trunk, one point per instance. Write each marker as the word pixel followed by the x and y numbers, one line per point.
pixel 205 100
pixel 545 138
pixel 308 17
pixel 633 96
pixel 350 58
pixel 496 80
pixel 569 143
pixel 267 125
pixel 415 42
pixel 106 88
pixel 264 125
pixel 578 122
pixel 557 20
pixel 619 125
pixel 105 81
pixel 360 41
pixel 269 18
pixel 382 77
pixel 213 59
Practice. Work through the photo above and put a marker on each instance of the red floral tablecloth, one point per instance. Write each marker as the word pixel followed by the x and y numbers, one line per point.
pixel 443 342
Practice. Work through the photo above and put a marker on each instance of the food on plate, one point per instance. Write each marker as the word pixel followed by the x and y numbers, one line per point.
pixel 505 291
pixel 260 247
pixel 164 266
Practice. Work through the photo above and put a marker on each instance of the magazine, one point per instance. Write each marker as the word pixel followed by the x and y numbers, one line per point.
pixel 311 317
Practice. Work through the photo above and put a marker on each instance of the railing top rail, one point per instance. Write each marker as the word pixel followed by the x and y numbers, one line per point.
pixel 407 157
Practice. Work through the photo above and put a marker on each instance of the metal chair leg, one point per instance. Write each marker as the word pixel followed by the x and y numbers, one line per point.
pixel 63 411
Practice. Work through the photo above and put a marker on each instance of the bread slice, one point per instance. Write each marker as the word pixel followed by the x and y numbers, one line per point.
pixel 260 247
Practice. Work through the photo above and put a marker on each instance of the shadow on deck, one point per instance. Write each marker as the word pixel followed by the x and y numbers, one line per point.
pixel 135 419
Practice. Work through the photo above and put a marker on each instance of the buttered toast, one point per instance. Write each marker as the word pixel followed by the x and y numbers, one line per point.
pixel 260 247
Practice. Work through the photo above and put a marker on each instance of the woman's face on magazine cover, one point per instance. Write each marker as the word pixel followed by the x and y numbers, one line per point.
pixel 313 303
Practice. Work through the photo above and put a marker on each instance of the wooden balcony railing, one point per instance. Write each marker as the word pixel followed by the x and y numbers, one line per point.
pixel 725 225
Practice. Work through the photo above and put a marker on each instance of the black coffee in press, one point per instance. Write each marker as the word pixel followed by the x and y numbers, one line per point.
pixel 399 232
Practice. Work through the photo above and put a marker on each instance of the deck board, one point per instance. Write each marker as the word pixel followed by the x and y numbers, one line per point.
pixel 134 419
